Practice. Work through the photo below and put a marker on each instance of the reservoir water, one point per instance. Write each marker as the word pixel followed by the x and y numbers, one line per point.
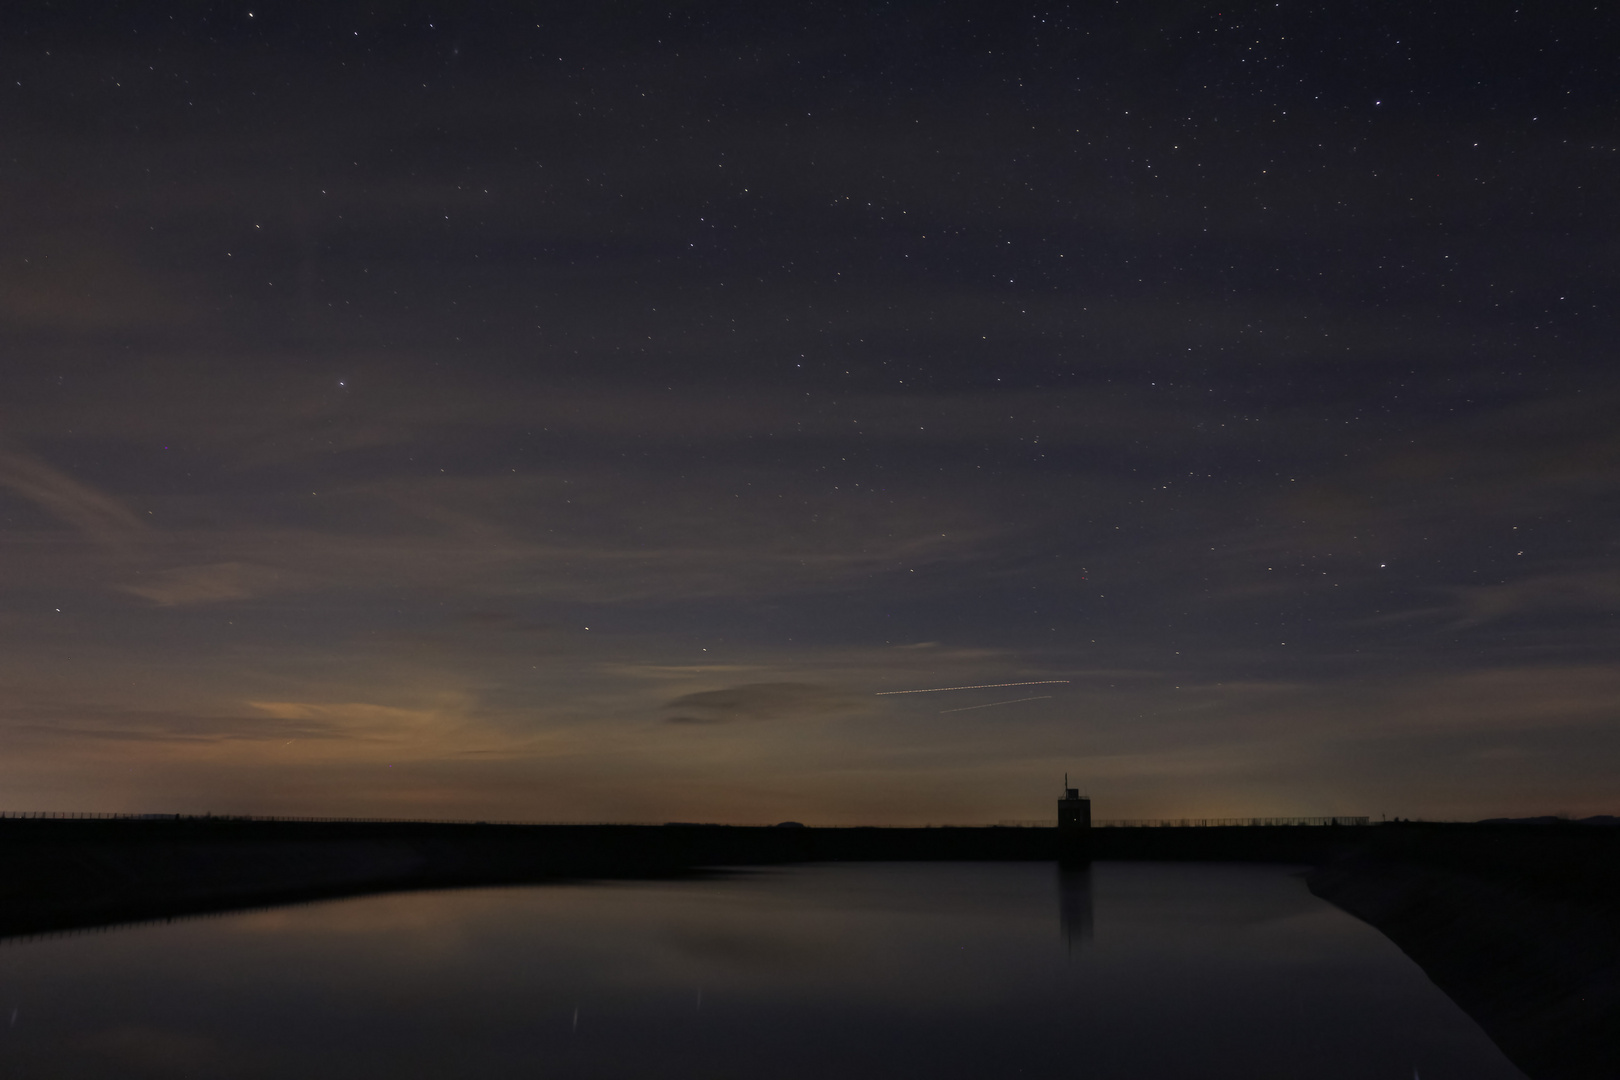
pixel 1129 971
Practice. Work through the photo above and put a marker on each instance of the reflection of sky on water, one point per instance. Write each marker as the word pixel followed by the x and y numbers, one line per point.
pixel 881 970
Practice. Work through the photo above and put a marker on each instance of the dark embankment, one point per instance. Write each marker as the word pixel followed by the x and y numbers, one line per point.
pixel 60 874
pixel 63 874
pixel 1518 924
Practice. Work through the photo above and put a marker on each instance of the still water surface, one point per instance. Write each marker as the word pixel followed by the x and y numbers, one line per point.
pixel 939 970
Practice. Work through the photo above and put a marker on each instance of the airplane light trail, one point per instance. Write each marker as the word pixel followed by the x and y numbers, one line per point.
pixel 1014 701
pixel 981 686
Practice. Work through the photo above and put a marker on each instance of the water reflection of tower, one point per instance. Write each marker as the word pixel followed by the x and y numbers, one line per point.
pixel 1074 903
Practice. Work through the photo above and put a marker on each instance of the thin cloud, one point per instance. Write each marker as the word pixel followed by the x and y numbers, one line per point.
pixel 1597 591
pixel 78 723
pixel 99 516
pixel 757 701
pixel 352 715
pixel 211 584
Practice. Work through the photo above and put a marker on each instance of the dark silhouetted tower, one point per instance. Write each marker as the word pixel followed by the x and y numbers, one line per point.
pixel 1074 826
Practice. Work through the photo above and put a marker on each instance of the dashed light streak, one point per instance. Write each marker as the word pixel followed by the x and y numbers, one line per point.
pixel 1014 701
pixel 981 686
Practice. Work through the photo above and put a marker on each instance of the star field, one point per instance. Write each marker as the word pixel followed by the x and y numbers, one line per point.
pixel 1246 367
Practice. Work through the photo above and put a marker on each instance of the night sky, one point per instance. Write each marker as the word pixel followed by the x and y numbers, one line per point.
pixel 586 411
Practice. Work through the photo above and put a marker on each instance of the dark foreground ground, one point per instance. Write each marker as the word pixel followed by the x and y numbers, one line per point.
pixel 1519 924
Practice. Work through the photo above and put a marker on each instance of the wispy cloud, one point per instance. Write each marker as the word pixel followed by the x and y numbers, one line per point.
pixel 99 516
pixel 212 583
pixel 362 720
pixel 1594 591
pixel 77 724
pixel 758 701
